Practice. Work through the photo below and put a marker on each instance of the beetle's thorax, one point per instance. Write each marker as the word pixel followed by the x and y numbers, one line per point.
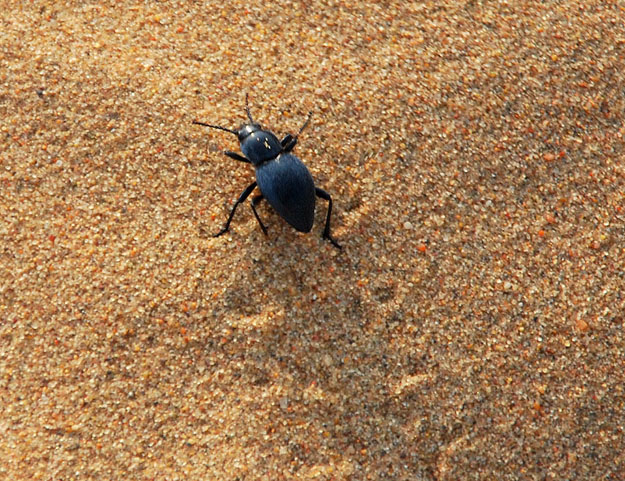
pixel 258 145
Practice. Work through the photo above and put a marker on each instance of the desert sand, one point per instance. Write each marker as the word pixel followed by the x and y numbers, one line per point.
pixel 471 328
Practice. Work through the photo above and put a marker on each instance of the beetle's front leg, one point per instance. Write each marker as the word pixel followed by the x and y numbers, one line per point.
pixel 289 142
pixel 288 138
pixel 235 156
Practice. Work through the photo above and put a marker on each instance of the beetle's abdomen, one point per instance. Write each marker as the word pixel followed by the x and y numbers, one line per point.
pixel 288 186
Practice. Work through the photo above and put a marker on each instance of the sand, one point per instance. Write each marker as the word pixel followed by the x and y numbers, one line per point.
pixel 471 328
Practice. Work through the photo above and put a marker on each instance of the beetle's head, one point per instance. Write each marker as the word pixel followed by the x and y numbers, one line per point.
pixel 248 129
pixel 244 131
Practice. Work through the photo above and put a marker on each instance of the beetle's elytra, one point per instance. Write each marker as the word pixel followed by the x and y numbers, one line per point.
pixel 282 178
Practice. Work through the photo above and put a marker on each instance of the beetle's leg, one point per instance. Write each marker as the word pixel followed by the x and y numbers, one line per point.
pixel 286 140
pixel 305 124
pixel 255 200
pixel 326 230
pixel 289 142
pixel 235 156
pixel 246 193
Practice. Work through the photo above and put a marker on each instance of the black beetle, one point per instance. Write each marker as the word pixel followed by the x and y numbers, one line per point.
pixel 282 178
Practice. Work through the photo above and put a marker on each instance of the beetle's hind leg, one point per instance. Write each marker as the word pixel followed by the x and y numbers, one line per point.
pixel 255 200
pixel 326 230
pixel 246 193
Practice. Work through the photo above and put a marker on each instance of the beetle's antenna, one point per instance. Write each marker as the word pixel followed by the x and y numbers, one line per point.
pixel 305 124
pixel 216 127
pixel 247 109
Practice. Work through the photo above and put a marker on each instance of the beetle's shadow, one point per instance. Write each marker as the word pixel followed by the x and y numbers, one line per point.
pixel 269 275
pixel 322 359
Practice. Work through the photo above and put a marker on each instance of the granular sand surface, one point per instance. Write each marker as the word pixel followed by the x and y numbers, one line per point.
pixel 471 328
